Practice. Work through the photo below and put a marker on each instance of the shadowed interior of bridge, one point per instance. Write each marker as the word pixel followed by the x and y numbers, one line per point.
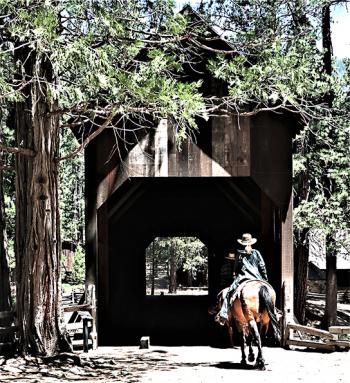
pixel 216 210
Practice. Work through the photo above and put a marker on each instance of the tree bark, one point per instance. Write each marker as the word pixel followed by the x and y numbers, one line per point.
pixel 301 276
pixel 37 218
pixel 153 275
pixel 330 317
pixel 327 49
pixel 5 289
pixel 172 270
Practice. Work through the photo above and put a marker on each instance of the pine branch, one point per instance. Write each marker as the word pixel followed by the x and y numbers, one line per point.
pixel 17 150
pixel 93 135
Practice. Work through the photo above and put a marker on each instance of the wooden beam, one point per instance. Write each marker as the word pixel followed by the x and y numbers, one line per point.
pixel 79 343
pixel 230 183
pixel 128 198
pixel 339 343
pixel 310 330
pixel 76 327
pixel 287 262
pixel 234 203
pixel 339 329
pixel 69 309
pixel 7 314
pixel 310 344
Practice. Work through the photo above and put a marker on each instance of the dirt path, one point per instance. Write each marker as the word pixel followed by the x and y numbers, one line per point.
pixel 180 365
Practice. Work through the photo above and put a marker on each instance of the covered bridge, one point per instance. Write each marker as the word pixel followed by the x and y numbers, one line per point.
pixel 234 177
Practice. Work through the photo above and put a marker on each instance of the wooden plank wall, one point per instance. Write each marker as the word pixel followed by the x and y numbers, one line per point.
pixel 157 154
pixel 271 157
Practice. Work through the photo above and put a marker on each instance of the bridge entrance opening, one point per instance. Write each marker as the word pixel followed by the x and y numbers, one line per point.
pixel 208 214
pixel 176 266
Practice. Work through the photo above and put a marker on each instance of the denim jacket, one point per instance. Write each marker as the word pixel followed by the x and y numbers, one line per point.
pixel 250 266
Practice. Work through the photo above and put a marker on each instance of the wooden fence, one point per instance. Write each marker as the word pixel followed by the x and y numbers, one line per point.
pixel 305 336
pixel 343 296
pixel 81 325
pixel 8 331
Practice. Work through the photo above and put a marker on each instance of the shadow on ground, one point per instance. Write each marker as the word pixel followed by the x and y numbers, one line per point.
pixel 131 366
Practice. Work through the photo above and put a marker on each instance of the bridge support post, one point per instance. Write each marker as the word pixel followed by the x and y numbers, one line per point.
pixel 287 266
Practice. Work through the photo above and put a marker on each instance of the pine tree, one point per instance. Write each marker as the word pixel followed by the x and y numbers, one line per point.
pixel 77 65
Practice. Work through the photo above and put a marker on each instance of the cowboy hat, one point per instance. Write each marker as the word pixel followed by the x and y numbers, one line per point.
pixel 231 257
pixel 247 239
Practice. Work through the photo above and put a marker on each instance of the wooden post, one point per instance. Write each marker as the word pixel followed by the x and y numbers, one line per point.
pixel 91 214
pixel 144 342
pixel 287 264
pixel 91 299
pixel 85 335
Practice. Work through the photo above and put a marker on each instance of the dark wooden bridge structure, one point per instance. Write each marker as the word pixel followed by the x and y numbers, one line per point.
pixel 234 176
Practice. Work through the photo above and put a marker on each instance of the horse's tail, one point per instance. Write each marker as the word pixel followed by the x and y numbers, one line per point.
pixel 265 301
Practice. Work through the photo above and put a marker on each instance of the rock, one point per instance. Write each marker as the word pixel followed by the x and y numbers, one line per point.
pixel 145 342
pixel 77 371
pixel 43 371
pixel 12 370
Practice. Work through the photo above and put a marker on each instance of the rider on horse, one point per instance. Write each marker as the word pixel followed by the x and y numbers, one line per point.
pixel 249 265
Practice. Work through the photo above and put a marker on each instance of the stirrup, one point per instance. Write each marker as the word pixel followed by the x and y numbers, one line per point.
pixel 221 320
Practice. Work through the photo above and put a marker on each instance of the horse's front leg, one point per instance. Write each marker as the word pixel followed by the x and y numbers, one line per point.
pixel 260 362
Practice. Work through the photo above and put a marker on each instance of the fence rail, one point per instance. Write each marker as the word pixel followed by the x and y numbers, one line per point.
pixel 8 331
pixel 298 335
pixel 343 296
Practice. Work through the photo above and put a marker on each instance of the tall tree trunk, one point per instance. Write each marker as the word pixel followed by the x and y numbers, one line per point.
pixel 300 25
pixel 5 289
pixel 153 272
pixel 189 278
pixel 301 275
pixel 172 269
pixel 330 315
pixel 37 219
pixel 327 49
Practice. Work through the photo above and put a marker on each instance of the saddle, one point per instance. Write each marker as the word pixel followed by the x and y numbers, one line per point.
pixel 238 291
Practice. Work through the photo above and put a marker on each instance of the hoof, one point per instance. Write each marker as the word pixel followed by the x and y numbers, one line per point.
pixel 251 357
pixel 260 365
pixel 243 362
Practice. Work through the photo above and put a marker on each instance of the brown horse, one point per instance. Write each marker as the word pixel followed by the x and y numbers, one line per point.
pixel 252 303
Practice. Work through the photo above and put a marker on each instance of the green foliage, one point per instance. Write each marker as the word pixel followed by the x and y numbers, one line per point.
pixel 323 158
pixel 8 184
pixel 97 51
pixel 78 274
pixel 108 58
pixel 277 65
pixel 190 253
pixel 71 192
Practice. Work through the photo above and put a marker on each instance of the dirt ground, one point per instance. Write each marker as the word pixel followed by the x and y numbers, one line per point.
pixel 179 365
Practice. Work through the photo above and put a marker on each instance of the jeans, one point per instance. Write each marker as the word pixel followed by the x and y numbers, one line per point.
pixel 226 304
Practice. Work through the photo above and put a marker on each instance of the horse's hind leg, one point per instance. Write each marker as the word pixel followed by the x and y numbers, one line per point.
pixel 260 362
pixel 243 344
pixel 251 355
